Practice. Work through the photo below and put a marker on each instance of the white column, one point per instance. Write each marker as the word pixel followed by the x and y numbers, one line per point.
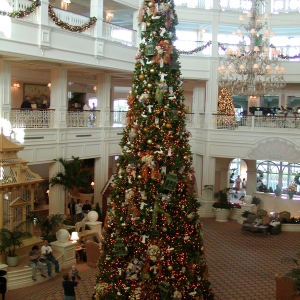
pixel 5 89
pixel 103 96
pixel 59 96
pixel 99 179
pixel 251 176
pixel 211 104
pixel 209 167
pixel 97 11
pixel 57 194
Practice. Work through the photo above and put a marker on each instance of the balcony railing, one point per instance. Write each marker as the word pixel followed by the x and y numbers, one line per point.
pixel 257 123
pixel 119 34
pixel 37 118
pixel 86 118
pixel 118 118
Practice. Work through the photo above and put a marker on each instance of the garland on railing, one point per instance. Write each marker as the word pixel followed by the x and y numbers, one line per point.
pixel 67 26
pixel 22 13
pixel 198 49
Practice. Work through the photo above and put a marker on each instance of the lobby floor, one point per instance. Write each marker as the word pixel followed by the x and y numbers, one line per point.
pixel 241 266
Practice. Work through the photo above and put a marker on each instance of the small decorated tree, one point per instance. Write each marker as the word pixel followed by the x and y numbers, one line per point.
pixel 226 108
pixel 153 243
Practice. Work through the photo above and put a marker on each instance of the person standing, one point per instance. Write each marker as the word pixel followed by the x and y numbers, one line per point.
pixel 72 209
pixel 238 183
pixel 26 103
pixel 244 184
pixel 35 263
pixel 69 287
pixel 78 208
pixel 86 208
pixel 48 258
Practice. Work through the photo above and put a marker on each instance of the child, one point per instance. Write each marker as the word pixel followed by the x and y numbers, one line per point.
pixel 74 273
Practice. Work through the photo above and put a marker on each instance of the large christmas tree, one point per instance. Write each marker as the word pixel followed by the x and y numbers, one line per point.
pixel 152 244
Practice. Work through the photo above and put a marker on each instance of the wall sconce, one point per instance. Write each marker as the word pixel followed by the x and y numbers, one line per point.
pixel 109 17
pixel 94 88
pixel 49 85
pixel 92 184
pixel 15 86
pixel 65 4
pixel 74 237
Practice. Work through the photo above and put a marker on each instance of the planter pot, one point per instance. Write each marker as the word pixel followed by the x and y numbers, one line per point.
pixel 290 227
pixel 235 213
pixel 248 199
pixel 12 261
pixel 222 214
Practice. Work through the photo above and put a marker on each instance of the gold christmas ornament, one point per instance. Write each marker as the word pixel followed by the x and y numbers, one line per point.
pixel 146 129
pixel 139 177
pixel 186 157
pixel 142 76
pixel 150 4
pixel 149 85
pixel 164 229
pixel 149 142
pixel 170 268
pixel 152 71
pixel 168 126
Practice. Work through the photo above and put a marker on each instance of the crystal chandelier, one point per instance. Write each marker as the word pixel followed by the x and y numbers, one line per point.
pixel 252 68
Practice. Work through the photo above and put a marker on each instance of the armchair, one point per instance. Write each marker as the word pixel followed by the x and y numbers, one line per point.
pixel 92 253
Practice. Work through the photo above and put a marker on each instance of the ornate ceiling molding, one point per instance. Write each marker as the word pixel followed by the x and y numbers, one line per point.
pixel 275 149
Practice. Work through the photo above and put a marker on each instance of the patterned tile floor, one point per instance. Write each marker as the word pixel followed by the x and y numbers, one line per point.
pixel 241 266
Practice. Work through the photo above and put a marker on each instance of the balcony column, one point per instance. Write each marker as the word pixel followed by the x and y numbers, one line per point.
pixel 103 96
pixel 59 96
pixel 209 168
pixel 97 11
pixel 198 104
pixel 135 24
pixel 211 103
pixel 5 89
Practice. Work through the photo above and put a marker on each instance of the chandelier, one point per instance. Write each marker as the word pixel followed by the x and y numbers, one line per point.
pixel 252 68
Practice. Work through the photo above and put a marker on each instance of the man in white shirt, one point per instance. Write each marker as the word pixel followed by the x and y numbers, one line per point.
pixel 48 258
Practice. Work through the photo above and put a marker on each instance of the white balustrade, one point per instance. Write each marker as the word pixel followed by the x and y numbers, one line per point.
pixel 207 4
pixel 118 118
pixel 37 118
pixel 86 118
pixel 119 34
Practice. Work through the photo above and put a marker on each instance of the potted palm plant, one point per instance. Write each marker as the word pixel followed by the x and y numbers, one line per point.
pixel 74 177
pixel 10 240
pixel 48 225
pixel 222 206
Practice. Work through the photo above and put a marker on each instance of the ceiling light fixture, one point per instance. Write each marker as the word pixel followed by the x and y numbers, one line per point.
pixel 252 68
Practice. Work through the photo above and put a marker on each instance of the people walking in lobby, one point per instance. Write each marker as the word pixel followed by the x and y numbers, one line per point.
pixel 244 184
pixel 72 209
pixel 86 208
pixel 238 183
pixel 78 208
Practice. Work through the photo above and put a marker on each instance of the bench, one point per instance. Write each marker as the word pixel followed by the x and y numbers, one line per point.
pixel 20 276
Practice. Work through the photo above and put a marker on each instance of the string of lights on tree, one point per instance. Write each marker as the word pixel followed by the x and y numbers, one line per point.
pixel 22 13
pixel 67 26
pixel 152 246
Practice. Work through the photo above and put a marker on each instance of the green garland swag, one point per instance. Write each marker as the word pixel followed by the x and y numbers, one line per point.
pixel 198 49
pixel 67 26
pixel 22 13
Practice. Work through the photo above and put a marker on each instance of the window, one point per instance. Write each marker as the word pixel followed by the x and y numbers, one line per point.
pixel 269 173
